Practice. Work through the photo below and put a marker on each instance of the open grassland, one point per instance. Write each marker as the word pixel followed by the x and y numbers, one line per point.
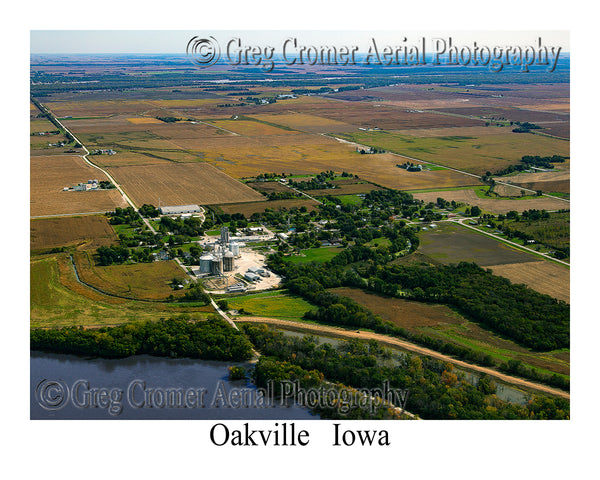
pixel 278 304
pixel 321 254
pixel 472 154
pixel 86 233
pixel 141 281
pixel 181 184
pixel 50 174
pixel 494 205
pixel 545 277
pixel 58 300
pixel 247 209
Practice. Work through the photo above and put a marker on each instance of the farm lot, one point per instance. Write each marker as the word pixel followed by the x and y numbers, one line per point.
pixel 248 208
pixel 472 154
pixel 402 313
pixel 494 205
pixel 140 281
pixel 542 276
pixel 50 174
pixel 451 243
pixel 181 184
pixel 87 233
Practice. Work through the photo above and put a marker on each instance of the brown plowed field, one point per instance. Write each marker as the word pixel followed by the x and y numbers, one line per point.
pixel 181 184
pixel 542 276
pixel 50 174
pixel 496 206
pixel 88 233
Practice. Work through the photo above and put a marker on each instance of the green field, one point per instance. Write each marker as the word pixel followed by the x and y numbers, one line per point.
pixel 322 254
pixel 58 300
pixel 277 304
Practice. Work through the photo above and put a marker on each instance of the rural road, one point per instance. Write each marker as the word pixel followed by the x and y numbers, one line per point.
pixel 110 178
pixel 411 347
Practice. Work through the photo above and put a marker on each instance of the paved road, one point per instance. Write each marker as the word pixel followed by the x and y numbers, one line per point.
pixel 405 345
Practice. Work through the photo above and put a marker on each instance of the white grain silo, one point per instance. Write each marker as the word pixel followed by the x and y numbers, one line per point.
pixel 228 262
pixel 205 263
pixel 235 249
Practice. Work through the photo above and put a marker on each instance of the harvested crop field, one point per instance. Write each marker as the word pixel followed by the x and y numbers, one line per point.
pixel 496 206
pixel 542 276
pixel 251 128
pixel 403 313
pixel 181 184
pixel 87 233
pixel 452 243
pixel 514 114
pixel 472 154
pixel 144 120
pixel 307 123
pixel 140 281
pixel 247 209
pixel 50 174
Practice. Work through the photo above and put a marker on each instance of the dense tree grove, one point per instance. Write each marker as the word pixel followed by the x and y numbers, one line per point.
pixel 213 339
pixel 529 318
pixel 435 390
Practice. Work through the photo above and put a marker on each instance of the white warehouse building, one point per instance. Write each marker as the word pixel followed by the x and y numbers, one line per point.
pixel 179 209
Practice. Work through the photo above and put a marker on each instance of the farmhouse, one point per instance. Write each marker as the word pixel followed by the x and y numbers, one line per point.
pixel 179 209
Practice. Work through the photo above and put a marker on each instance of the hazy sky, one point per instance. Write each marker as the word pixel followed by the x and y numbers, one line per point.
pixel 175 41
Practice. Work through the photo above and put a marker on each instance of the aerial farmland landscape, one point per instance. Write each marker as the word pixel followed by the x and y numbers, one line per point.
pixel 336 226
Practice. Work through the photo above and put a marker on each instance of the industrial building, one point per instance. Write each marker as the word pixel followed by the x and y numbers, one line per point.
pixel 179 209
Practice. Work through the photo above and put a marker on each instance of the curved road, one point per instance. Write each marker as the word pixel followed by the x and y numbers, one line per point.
pixel 405 345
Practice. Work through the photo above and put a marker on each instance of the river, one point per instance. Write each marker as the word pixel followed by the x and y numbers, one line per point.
pixel 145 387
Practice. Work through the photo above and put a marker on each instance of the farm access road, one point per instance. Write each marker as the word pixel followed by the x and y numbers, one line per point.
pixel 405 345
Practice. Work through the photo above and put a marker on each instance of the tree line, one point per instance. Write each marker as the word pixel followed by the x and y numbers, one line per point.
pixel 212 339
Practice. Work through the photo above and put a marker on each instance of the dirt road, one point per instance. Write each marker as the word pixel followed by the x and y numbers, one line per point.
pixel 398 343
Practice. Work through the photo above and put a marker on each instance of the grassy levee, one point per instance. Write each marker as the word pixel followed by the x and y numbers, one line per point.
pixel 58 300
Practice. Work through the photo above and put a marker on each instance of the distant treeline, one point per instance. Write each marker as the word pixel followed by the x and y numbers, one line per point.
pixel 213 339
